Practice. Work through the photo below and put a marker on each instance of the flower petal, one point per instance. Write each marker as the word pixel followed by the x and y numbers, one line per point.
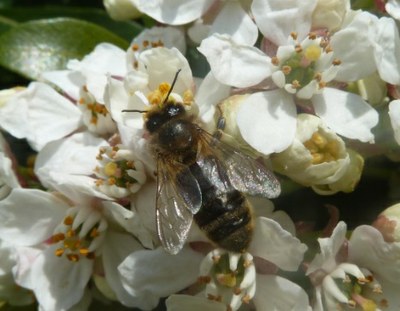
pixel 59 283
pixel 277 293
pixel 68 81
pixel 29 216
pixel 177 12
pixel 156 274
pixel 192 303
pixel 382 256
pixel 329 249
pixel 387 50
pixel 233 63
pixel 394 114
pixel 276 245
pixel 116 247
pixel 276 19
pixel 234 21
pixel 355 62
pixel 66 164
pixel 209 94
pixel 346 113
pixel 267 121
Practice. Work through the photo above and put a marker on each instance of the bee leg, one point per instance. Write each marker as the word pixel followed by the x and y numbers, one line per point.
pixel 220 125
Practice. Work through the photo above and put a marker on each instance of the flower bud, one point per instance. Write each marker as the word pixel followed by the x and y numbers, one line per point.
pixel 318 158
pixel 121 9
pixel 388 223
pixel 329 14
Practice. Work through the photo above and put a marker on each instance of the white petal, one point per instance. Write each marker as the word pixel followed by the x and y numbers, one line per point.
pixel 276 19
pixel 161 64
pixel 382 256
pixel 68 81
pixel 29 216
pixel 209 94
pixel 346 113
pixel 192 303
pixel 235 64
pixel 50 116
pixel 105 58
pixel 276 293
pixel 69 161
pixel 128 220
pixel 394 114
pixel 116 247
pixel 276 245
pixel 60 283
pixel 158 273
pixel 355 61
pixel 387 50
pixel 393 8
pixel 234 21
pixel 267 121
pixel 7 175
pixel 329 248
pixel 177 12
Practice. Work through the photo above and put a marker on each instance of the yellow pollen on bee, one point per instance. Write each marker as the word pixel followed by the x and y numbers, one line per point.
pixel 321 149
pixel 164 87
pixel 312 53
pixel 110 169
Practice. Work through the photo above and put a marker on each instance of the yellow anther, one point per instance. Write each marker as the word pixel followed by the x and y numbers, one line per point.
pixel 293 34
pixel 319 140
pixel 70 233
pixel 298 48
pixel 237 291
pixel 155 98
pixel 94 232
pixel 286 69
pixel 164 88
pixel 145 43
pixel 312 36
pixel 275 61
pixel 68 220
pixel 73 257
pixel 112 181
pixel 296 84
pixel 246 299
pixel 317 158
pixel 57 237
pixel 188 97
pixel 228 280
pixel 336 62
pixel 312 53
pixel 59 252
pixel 110 169
pixel 247 263
pixel 84 251
pixel 135 47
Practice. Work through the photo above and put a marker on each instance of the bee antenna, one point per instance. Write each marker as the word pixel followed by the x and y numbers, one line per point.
pixel 172 85
pixel 133 110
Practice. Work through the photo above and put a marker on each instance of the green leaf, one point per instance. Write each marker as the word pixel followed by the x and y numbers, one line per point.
pixel 127 30
pixel 33 47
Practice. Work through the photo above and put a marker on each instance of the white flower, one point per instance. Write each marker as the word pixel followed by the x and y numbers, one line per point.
pixel 8 178
pixel 301 70
pixel 318 158
pixel 394 114
pixel 330 14
pixel 354 280
pixel 393 8
pixel 62 243
pixel 121 9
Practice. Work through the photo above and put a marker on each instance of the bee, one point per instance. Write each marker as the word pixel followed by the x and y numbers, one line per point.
pixel 201 178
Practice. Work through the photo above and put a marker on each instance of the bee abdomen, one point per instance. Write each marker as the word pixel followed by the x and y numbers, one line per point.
pixel 227 221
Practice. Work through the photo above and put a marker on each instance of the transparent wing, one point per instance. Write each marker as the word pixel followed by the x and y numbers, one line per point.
pixel 244 173
pixel 178 198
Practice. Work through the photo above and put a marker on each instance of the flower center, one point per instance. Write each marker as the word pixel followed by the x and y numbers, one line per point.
pixel 230 277
pixel 306 67
pixel 80 234
pixel 321 149
pixel 120 173
pixel 95 115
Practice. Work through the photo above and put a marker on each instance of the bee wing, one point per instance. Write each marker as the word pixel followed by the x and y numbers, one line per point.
pixel 245 173
pixel 178 198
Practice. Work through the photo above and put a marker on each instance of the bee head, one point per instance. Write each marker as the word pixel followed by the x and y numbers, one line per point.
pixel 157 117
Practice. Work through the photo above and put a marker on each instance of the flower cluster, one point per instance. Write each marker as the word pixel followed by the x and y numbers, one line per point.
pixel 122 204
